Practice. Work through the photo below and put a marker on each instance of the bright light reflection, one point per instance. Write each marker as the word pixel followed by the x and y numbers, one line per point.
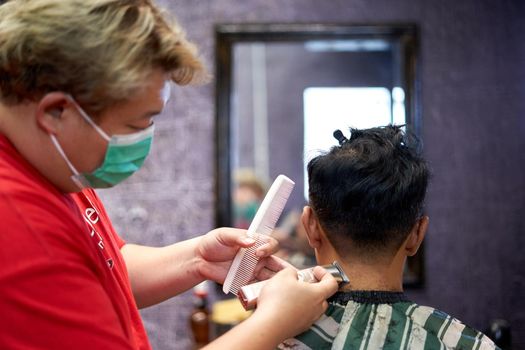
pixel 328 109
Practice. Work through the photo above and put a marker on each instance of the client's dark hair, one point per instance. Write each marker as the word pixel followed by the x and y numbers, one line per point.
pixel 370 189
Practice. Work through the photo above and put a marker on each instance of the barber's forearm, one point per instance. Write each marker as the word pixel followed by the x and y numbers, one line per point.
pixel 157 274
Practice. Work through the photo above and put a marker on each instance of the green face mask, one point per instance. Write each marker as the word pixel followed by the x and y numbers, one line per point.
pixel 244 213
pixel 124 156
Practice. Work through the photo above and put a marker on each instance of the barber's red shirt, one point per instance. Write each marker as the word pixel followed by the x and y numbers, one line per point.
pixel 63 282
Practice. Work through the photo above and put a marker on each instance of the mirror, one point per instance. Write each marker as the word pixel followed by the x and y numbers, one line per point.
pixel 282 89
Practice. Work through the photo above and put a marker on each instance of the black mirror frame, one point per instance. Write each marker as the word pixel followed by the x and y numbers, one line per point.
pixel 226 35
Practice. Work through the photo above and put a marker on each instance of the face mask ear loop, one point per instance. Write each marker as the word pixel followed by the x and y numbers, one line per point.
pixel 69 164
pixel 166 92
pixel 88 119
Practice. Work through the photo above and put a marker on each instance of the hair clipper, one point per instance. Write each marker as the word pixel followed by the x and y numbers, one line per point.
pixel 248 294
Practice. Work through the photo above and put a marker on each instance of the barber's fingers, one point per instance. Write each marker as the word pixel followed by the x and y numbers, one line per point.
pixel 327 283
pixel 274 263
pixel 233 236
pixel 269 266
pixel 263 273
pixel 229 236
pixel 319 272
pixel 271 246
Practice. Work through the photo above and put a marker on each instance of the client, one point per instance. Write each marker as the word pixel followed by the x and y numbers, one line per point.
pixel 366 211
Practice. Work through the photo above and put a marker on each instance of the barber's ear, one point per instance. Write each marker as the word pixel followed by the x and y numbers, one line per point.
pixel 311 226
pixel 49 111
pixel 416 236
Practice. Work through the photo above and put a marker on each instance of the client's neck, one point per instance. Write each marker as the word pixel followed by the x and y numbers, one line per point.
pixel 366 275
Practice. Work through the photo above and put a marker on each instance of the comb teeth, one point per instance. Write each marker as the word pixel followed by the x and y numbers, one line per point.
pixel 243 266
pixel 247 263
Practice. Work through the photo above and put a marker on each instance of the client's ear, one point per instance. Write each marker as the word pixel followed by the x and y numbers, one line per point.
pixel 416 236
pixel 311 226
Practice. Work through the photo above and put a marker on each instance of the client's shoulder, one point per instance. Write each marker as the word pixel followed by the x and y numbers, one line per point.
pixel 426 327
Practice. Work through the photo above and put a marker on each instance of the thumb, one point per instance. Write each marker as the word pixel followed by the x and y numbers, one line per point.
pixel 230 237
pixel 327 282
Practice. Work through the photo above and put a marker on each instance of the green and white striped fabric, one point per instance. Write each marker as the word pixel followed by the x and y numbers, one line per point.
pixel 375 320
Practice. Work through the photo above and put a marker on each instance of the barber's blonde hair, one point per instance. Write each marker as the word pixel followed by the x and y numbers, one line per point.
pixel 99 51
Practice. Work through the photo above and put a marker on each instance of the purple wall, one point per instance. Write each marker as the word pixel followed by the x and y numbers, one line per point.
pixel 473 109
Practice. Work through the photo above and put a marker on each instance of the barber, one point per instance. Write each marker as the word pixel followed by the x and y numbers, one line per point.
pixel 81 84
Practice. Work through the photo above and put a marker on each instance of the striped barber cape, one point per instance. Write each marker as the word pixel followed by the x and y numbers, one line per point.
pixel 385 320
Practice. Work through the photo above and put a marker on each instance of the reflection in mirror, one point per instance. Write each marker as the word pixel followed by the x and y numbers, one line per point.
pixel 282 90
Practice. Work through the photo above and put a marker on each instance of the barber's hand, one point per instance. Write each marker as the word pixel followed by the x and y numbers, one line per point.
pixel 293 305
pixel 217 249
